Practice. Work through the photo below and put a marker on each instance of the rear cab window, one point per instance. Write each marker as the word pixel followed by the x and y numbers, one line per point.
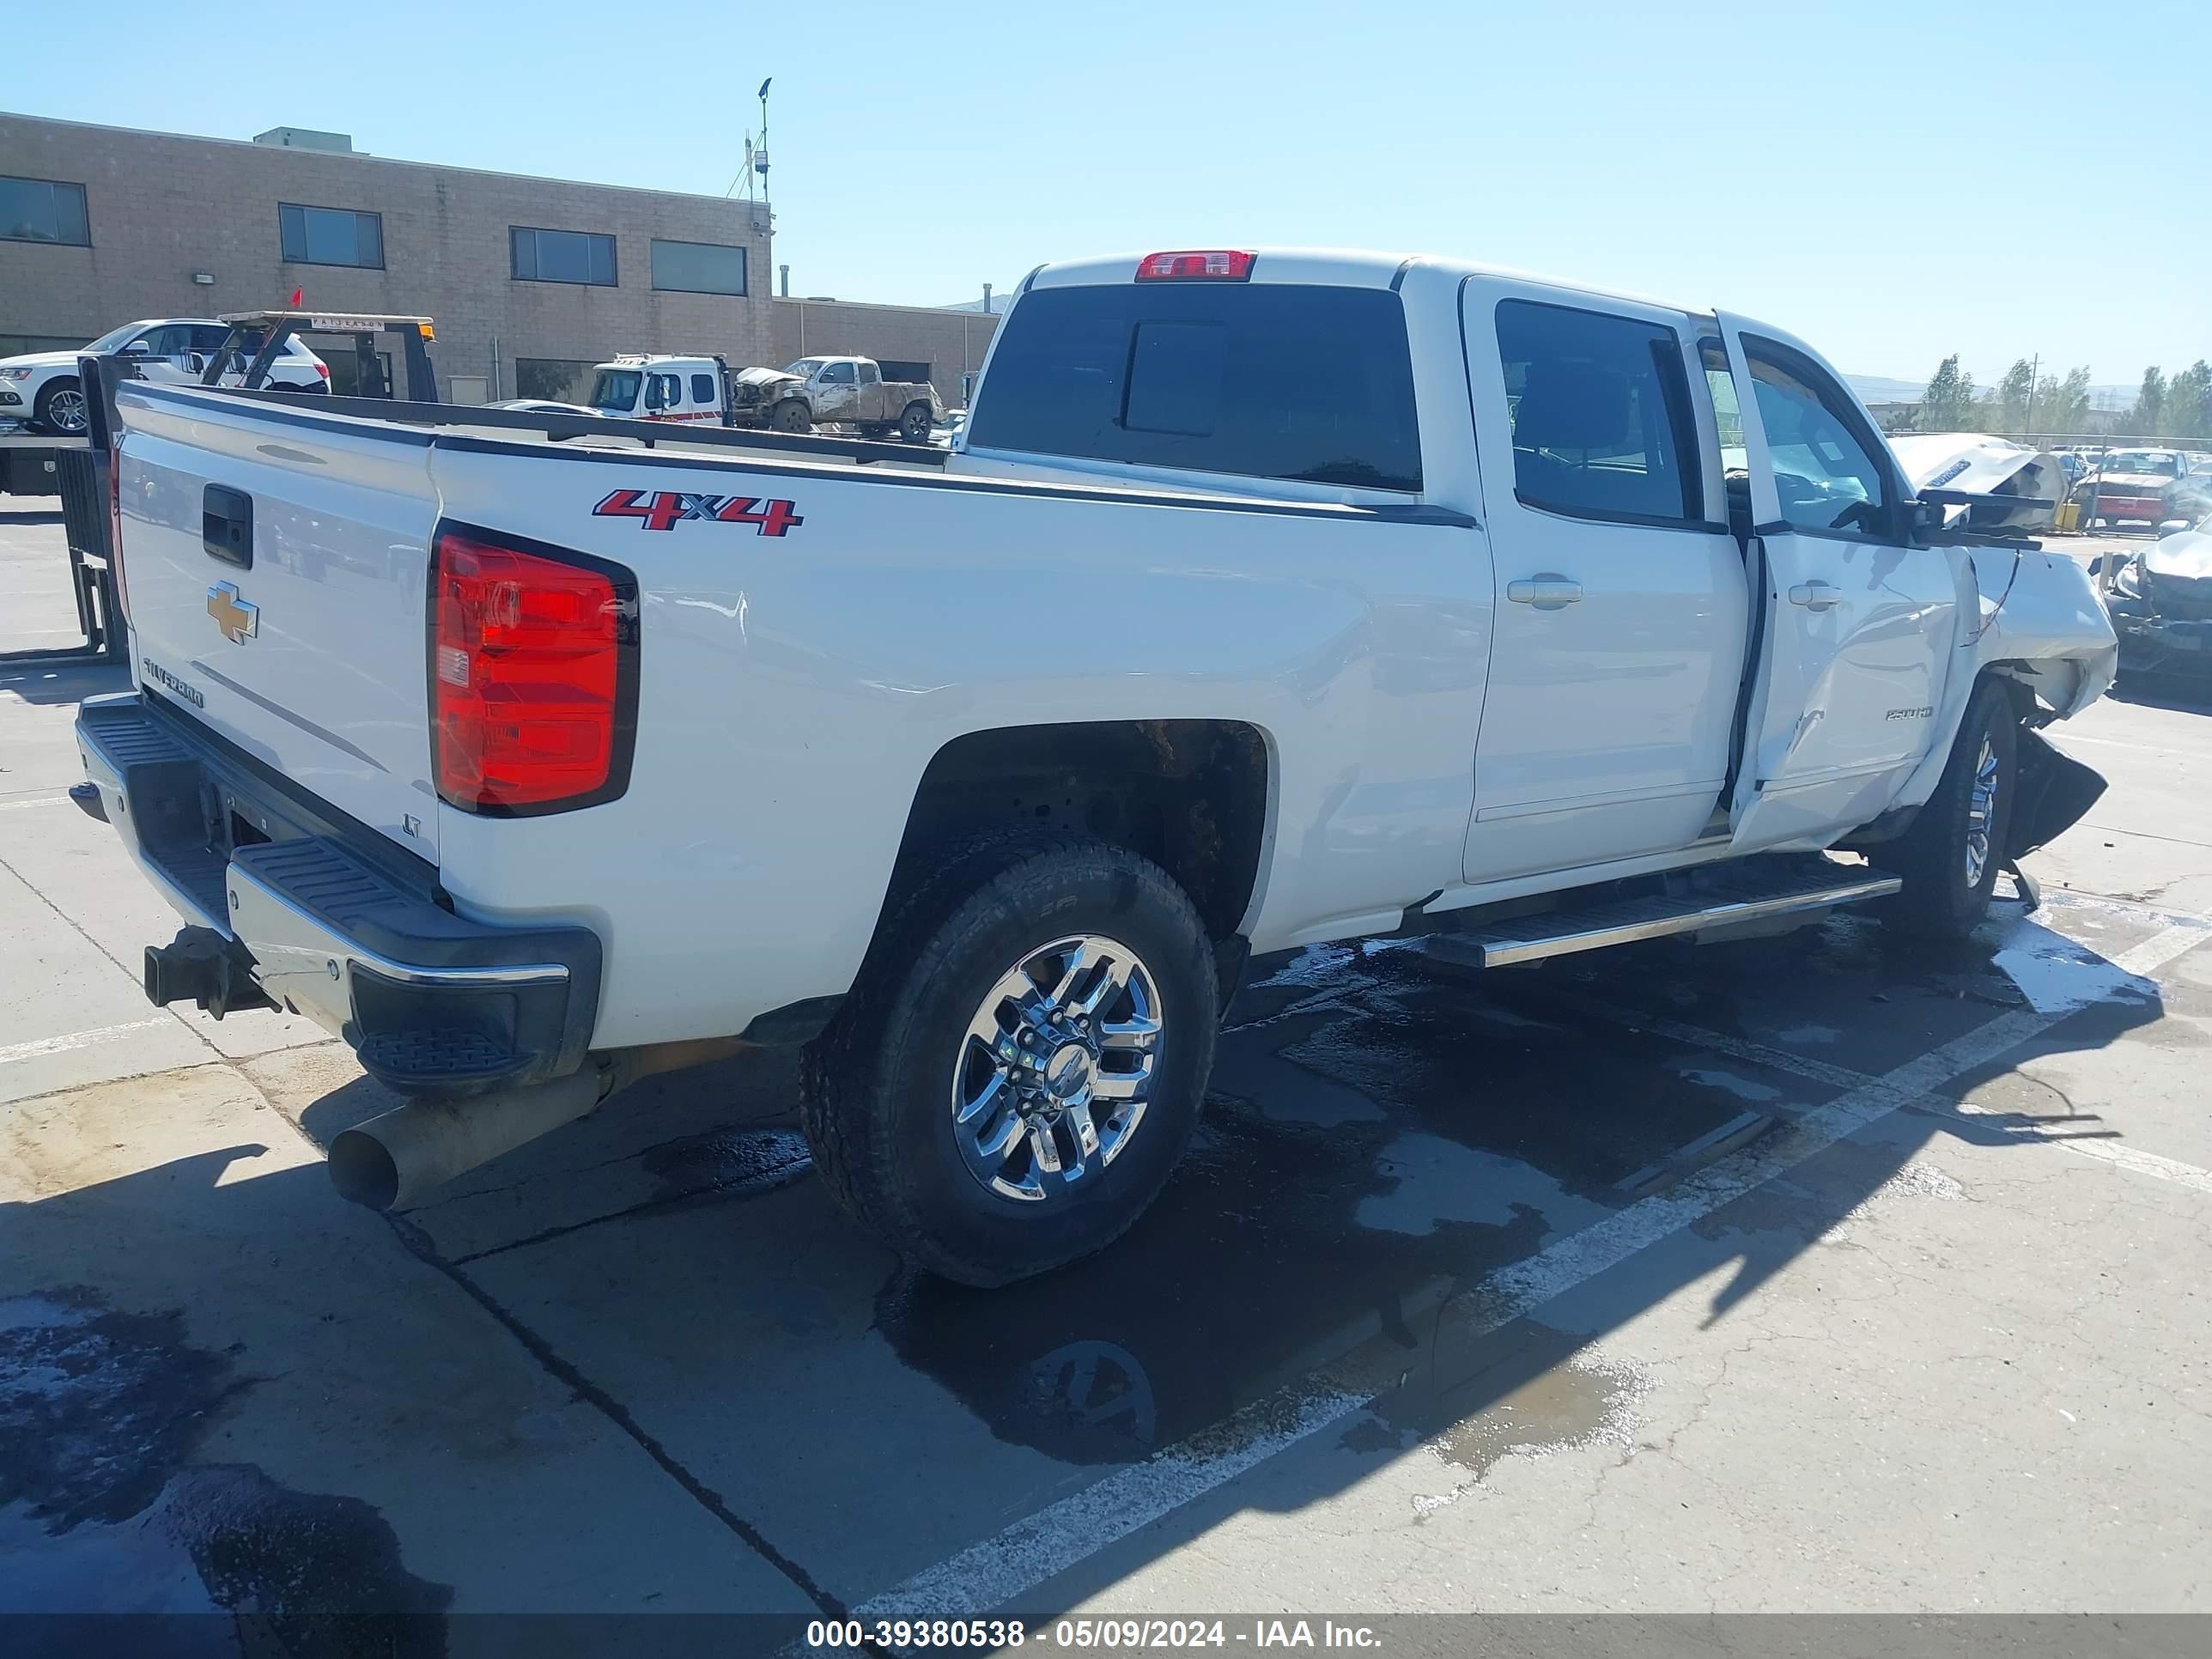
pixel 1297 382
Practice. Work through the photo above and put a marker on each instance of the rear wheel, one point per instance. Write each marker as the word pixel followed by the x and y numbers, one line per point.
pixel 913 425
pixel 61 408
pixel 790 415
pixel 1949 857
pixel 1020 1065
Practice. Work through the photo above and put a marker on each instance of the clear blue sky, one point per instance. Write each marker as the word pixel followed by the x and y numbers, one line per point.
pixel 1818 166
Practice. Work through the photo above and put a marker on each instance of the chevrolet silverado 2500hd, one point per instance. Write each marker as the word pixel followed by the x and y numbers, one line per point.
pixel 1267 599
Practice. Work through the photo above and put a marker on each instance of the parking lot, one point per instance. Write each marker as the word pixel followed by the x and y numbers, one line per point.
pixel 1823 1273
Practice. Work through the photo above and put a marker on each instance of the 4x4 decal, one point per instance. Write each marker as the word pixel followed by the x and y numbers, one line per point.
pixel 664 509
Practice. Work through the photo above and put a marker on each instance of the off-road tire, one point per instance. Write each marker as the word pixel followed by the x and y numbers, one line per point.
pixel 1937 901
pixel 875 1098
pixel 791 416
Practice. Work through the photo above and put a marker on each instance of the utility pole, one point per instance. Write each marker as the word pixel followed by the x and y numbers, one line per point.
pixel 2034 374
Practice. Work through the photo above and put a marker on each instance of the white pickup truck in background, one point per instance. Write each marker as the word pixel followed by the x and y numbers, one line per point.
pixel 1267 599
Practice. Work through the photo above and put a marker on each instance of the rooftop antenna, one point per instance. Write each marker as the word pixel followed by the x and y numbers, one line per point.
pixel 757 154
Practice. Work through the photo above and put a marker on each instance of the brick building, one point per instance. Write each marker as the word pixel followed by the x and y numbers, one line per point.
pixel 530 280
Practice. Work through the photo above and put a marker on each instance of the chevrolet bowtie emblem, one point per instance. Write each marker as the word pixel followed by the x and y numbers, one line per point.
pixel 240 619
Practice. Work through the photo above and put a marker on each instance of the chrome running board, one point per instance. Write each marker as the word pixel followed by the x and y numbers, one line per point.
pixel 1624 922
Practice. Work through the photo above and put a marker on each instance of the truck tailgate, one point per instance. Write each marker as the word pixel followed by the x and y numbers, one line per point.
pixel 275 567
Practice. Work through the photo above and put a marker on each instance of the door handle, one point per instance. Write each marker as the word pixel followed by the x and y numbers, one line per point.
pixel 1547 590
pixel 227 526
pixel 1815 595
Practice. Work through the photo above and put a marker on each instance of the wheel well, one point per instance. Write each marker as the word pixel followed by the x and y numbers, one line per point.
pixel 1190 795
pixel 2020 681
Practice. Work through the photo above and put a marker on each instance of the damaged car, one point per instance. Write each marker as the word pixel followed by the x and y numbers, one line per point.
pixel 2145 486
pixel 2160 601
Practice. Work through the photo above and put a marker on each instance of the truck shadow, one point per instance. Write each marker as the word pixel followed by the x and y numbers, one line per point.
pixel 1388 1151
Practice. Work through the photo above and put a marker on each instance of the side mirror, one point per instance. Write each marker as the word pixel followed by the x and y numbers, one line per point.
pixel 2171 527
pixel 138 347
pixel 2097 565
pixel 1923 518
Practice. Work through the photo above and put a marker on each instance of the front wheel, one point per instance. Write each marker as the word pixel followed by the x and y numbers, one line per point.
pixel 1950 856
pixel 1020 1063
pixel 791 416
pixel 61 408
pixel 913 425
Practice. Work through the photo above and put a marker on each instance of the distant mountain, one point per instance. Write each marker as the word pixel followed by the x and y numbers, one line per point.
pixel 1000 299
pixel 1882 389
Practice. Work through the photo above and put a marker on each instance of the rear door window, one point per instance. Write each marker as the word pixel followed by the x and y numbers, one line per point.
pixel 1278 380
pixel 1601 412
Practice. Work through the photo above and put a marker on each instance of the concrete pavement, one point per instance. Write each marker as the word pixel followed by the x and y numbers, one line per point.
pixel 1814 1274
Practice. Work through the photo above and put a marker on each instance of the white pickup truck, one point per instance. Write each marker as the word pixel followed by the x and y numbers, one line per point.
pixel 1269 598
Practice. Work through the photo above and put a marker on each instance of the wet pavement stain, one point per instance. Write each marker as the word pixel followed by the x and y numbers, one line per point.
pixel 1522 1391
pixel 1358 1166
pixel 1590 1400
pixel 734 1163
pixel 96 1407
pixel 1249 1272
pixel 99 1511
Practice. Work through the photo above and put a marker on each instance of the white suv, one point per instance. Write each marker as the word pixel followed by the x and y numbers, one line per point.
pixel 41 388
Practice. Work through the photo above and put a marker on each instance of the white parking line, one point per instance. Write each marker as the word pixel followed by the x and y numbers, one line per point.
pixel 56 1045
pixel 37 801
pixel 988 1575
pixel 2104 1152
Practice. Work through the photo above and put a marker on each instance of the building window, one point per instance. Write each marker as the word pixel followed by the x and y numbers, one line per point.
pixel 563 256
pixel 698 267
pixel 330 236
pixel 554 379
pixel 43 211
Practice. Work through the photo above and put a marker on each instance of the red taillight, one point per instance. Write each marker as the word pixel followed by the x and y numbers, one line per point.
pixel 1216 265
pixel 115 533
pixel 534 678
pixel 323 369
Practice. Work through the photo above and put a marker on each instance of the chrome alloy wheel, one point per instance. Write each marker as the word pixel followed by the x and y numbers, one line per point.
pixel 1056 1068
pixel 1981 811
pixel 66 412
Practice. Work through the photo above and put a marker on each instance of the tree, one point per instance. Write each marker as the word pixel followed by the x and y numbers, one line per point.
pixel 2061 406
pixel 2006 408
pixel 2148 418
pixel 1948 403
pixel 2189 402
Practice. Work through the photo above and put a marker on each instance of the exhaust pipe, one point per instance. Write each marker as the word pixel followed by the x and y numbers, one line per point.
pixel 391 1162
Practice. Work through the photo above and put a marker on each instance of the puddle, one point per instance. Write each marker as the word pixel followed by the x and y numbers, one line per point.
pixel 1434 1181
pixel 96 1407
pixel 2059 977
pixel 1734 1083
pixel 1590 1400
pixel 1528 1391
pixel 98 1411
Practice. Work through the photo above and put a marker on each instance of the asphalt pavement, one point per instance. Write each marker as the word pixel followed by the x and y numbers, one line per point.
pixel 1819 1274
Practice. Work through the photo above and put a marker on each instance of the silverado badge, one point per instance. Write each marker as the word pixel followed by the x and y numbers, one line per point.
pixel 240 619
